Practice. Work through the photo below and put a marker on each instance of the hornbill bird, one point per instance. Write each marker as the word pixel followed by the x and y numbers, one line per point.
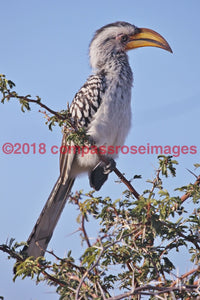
pixel 103 108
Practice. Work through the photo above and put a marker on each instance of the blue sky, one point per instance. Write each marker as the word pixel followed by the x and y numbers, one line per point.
pixel 44 50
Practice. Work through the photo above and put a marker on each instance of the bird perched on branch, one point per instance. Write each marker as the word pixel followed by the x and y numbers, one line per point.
pixel 103 107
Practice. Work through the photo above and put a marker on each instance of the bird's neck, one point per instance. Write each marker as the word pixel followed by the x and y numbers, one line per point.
pixel 117 67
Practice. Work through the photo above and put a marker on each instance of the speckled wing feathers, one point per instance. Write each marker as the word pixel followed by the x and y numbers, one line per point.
pixel 83 108
pixel 87 101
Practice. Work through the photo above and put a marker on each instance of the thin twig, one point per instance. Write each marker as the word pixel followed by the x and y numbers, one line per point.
pixel 101 291
pixel 87 272
pixel 67 261
pixel 192 173
pixel 121 176
pixel 57 281
pixel 187 195
pixel 186 275
pixel 13 254
pixel 84 231
pixel 127 183
pixel 53 112
pixel 157 290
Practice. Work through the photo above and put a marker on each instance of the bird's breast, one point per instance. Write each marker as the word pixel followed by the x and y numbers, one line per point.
pixel 112 121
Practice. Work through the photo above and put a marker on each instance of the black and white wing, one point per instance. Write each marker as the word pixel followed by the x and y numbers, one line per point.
pixel 83 108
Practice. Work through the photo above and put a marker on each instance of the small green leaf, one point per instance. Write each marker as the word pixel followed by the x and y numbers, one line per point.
pixel 197 165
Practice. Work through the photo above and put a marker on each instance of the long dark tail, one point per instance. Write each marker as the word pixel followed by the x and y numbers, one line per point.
pixel 46 223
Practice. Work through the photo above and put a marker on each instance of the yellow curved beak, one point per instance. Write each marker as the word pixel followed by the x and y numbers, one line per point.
pixel 147 37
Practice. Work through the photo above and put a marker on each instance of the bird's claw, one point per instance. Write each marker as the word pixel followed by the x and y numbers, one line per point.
pixel 100 173
pixel 108 168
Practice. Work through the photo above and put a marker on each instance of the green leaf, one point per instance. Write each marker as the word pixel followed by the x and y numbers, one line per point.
pixel 197 165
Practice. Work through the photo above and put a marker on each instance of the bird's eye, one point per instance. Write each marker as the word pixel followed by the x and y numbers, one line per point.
pixel 124 38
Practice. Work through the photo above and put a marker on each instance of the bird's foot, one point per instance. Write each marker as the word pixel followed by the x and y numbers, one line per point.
pixel 100 173
pixel 108 168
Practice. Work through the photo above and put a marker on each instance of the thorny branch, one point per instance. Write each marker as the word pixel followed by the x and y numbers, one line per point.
pixel 185 276
pixel 103 249
pixel 187 195
pixel 6 249
pixel 86 274
pixel 38 102
pixel 156 290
